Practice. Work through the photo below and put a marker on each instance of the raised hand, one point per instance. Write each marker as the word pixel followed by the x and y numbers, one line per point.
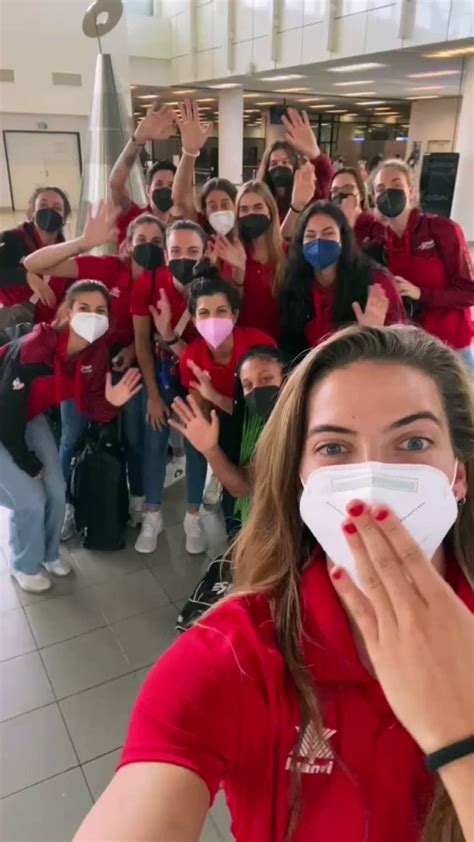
pixel 201 433
pixel 300 134
pixel 232 253
pixel 156 125
pixel 127 387
pixel 303 186
pixel 194 133
pixel 407 289
pixel 162 315
pixel 203 383
pixel 418 634
pixel 100 226
pixel 376 308
pixel 42 289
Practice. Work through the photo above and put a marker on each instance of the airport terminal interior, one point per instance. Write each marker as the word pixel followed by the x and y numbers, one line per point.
pixel 170 150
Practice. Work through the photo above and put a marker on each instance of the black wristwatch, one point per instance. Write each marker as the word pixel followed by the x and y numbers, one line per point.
pixel 172 341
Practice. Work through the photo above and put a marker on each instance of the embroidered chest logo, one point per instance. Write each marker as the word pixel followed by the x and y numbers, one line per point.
pixel 315 756
pixel 17 384
pixel 115 292
pixel 86 369
pixel 428 245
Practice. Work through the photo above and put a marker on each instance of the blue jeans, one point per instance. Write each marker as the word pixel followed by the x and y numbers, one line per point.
pixel 73 426
pixel 468 356
pixel 36 505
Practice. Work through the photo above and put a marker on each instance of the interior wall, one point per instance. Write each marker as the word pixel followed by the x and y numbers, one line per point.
pixel 31 122
pixel 432 120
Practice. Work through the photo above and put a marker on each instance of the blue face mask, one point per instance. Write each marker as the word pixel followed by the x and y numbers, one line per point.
pixel 321 253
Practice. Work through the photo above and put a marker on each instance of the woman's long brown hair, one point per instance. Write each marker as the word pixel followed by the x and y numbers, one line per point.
pixel 273 238
pixel 274 545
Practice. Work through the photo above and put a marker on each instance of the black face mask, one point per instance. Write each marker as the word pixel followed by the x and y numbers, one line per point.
pixel 161 198
pixel 391 202
pixel 253 226
pixel 281 177
pixel 261 400
pixel 48 220
pixel 148 256
pixel 182 269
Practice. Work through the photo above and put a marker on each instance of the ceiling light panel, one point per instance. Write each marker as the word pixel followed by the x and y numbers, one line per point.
pixel 431 96
pixel 282 77
pixel 355 82
pixel 454 53
pixel 432 74
pixel 361 93
pixel 427 88
pixel 355 68
pixel 372 102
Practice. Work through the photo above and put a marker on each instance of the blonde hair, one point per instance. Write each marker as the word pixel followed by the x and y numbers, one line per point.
pixel 403 168
pixel 273 238
pixel 274 545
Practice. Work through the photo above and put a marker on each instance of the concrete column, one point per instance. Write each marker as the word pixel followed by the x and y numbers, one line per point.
pixel 231 134
pixel 463 211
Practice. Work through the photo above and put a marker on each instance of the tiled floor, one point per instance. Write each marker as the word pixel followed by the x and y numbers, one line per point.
pixel 71 663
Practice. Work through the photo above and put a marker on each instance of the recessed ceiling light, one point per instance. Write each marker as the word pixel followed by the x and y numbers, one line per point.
pixel 459 51
pixel 355 82
pixel 251 96
pixel 309 99
pixel 329 105
pixel 147 96
pixel 184 91
pixel 427 88
pixel 282 77
pixel 360 93
pixel 224 85
pixel 267 103
pixel 291 90
pixel 335 112
pixel 354 68
pixel 372 102
pixel 433 74
pixel 431 96
pixel 172 103
pixel 206 99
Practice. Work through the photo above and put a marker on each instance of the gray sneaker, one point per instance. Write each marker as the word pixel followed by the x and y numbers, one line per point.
pixel 69 525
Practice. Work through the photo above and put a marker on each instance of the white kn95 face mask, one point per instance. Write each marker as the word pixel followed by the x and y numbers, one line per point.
pixel 421 497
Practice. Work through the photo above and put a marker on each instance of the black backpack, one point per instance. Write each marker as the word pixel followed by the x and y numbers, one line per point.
pixel 99 490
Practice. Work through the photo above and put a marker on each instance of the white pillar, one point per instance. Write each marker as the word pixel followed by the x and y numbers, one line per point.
pixel 231 134
pixel 463 211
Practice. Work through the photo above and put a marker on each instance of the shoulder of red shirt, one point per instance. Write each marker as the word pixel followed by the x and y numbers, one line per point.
pixel 144 289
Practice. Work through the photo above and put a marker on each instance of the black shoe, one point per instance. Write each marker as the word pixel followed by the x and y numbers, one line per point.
pixel 212 587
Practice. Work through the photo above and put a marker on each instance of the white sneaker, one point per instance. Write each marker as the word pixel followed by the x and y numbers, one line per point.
pixel 33 583
pixel 135 510
pixel 195 537
pixel 69 524
pixel 152 525
pixel 175 470
pixel 58 567
pixel 213 491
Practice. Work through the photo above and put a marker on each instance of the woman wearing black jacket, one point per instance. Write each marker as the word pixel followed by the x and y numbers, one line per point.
pixel 38 371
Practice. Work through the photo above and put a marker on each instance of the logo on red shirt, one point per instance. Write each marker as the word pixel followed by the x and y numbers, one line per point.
pixel 427 245
pixel 115 292
pixel 315 756
pixel 86 369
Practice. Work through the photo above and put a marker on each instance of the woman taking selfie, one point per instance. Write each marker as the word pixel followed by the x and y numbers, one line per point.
pixel 429 258
pixel 275 696
pixel 69 360
pixel 330 283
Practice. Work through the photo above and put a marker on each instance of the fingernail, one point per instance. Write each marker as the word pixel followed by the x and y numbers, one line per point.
pixel 382 514
pixel 337 573
pixel 350 528
pixel 356 510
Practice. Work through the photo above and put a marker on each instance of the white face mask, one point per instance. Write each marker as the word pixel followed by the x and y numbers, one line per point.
pixel 421 496
pixel 90 326
pixel 222 221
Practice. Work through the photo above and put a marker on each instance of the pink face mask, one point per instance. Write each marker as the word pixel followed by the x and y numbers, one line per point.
pixel 214 331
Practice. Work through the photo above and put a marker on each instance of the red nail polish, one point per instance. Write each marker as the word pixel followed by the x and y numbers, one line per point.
pixel 337 573
pixel 356 510
pixel 381 515
pixel 350 528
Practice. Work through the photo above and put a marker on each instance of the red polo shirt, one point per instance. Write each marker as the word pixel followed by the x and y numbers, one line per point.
pixel 432 254
pixel 146 291
pixel 116 274
pixel 222 376
pixel 220 703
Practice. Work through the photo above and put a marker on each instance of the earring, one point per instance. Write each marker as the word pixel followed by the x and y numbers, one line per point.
pixel 461 502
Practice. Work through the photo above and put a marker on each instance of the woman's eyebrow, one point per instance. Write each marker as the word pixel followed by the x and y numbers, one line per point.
pixel 416 416
pixel 330 428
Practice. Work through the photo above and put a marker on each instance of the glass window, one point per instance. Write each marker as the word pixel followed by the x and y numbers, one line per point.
pixel 138 7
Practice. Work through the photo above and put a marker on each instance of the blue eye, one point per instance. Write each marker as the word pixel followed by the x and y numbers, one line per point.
pixel 416 444
pixel 332 449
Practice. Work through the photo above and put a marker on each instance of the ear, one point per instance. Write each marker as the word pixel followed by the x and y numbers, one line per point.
pixel 235 316
pixel 460 482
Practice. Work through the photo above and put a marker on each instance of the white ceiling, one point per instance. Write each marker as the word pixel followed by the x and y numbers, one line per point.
pixel 391 83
